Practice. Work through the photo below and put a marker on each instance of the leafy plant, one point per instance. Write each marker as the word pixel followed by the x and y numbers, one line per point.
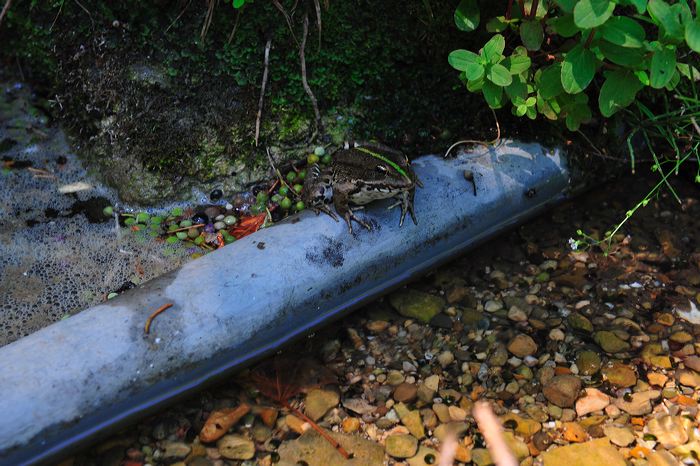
pixel 544 57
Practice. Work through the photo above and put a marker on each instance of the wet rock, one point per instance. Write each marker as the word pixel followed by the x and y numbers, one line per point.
pixel 395 377
pixel 609 342
pixel 236 447
pixel 350 424
pixel 493 305
pixel 670 431
pixel 405 392
pixel 692 362
pixel 472 318
pixel 416 304
pixel 516 314
pixel 359 406
pixel 441 320
pixel 654 355
pixel 594 400
pixel 619 375
pixel 637 404
pixel 445 358
pixel 620 436
pixel 594 453
pixel 481 457
pixel 542 440
pixel 522 345
pixel 687 377
pixel 175 450
pixel 579 322
pixel 573 432
pixel 311 448
pixel 413 422
pixel 318 402
pixel 588 362
pixel 425 457
pixel 522 425
pixel 562 390
pixel 401 445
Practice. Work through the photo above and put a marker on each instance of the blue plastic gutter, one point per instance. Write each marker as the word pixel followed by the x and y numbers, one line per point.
pixel 67 384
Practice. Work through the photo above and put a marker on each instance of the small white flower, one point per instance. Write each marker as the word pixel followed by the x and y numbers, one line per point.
pixel 573 244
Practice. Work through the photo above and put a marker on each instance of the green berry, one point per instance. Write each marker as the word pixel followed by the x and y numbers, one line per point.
pixel 176 212
pixel 284 190
pixel 230 220
pixel 172 239
pixel 320 151
pixel 185 223
pixel 291 176
pixel 298 188
pixel 312 159
pixel 228 239
pixel 261 197
pixel 193 233
pixel 142 217
pixel 256 209
pixel 112 295
pixel 182 235
pixel 326 159
pixel 130 221
pixel 108 211
pixel 286 203
pixel 172 227
pixel 299 206
pixel 199 240
pixel 156 220
pixel 302 174
pixel 276 198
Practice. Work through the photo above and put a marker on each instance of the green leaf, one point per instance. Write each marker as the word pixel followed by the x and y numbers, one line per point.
pixel 642 76
pixel 499 75
pixel 592 13
pixel 692 34
pixel 675 79
pixel 576 111
pixel 550 108
pixel 640 5
pixel 563 25
pixel 667 19
pixel 622 56
pixel 520 110
pixel 238 3
pixel 531 34
pixel 618 91
pixel 663 65
pixel 467 15
pixel 549 82
pixel 469 62
pixel 493 94
pixel 567 6
pixel 577 70
pixel 688 71
pixel 497 24
pixel 493 49
pixel 516 64
pixel 517 91
pixel 623 31
pixel 476 85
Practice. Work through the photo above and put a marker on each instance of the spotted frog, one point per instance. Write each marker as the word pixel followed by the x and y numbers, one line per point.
pixel 359 174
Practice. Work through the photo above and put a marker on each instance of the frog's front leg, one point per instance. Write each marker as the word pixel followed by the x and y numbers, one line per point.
pixel 406 203
pixel 342 206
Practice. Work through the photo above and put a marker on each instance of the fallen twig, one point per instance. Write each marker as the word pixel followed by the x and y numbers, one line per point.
pixel 491 429
pixel 235 26
pixel 208 18
pixel 483 143
pixel 187 228
pixel 318 429
pixel 5 9
pixel 262 90
pixel 304 80
pixel 317 5
pixel 41 173
pixel 178 16
pixel 287 18
pixel 147 327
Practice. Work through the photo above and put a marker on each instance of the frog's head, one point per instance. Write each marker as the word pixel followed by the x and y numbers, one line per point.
pixel 318 188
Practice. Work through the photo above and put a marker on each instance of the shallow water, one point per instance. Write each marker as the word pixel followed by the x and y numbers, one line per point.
pixel 58 253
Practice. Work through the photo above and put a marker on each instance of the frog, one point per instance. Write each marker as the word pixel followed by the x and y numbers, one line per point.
pixel 361 173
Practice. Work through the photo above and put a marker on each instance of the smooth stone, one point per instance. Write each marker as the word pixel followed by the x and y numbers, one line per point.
pixel 517 446
pixel 458 429
pixel 688 377
pixel 395 377
pixel 318 402
pixel 573 432
pixel 522 426
pixel 588 362
pixel 522 345
pixel 174 450
pixel 593 453
pixel 350 424
pixel 401 445
pixel 416 304
pixel 432 382
pixel 670 431
pixel 425 393
pixel 594 400
pixel 654 355
pixel 481 457
pixel 639 403
pixel 414 423
pixel 610 342
pixel 492 306
pixel 441 320
pixel 562 390
pixel 472 318
pixel 619 375
pixel 445 358
pixel 620 436
pixel 692 362
pixel 236 447
pixel 311 448
pixel 425 457
pixel 405 392
pixel 579 322
pixel 442 411
pixel 516 314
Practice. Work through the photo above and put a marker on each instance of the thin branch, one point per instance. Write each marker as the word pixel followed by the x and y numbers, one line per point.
pixel 5 9
pixel 147 327
pixel 486 144
pixel 318 21
pixel 533 8
pixel 318 429
pixel 60 9
pixel 208 18
pixel 695 125
pixel 179 16
pixel 287 18
pixel 235 26
pixel 492 431
pixel 86 11
pixel 262 90
pixel 521 4
pixel 589 39
pixel 304 80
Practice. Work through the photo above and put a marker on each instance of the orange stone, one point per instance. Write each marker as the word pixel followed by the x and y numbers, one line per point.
pixel 573 432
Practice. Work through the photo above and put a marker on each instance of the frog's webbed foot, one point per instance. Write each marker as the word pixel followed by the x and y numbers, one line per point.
pixel 406 203
pixel 326 210
pixel 349 217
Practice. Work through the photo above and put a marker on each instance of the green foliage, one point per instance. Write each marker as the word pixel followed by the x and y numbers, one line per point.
pixel 560 52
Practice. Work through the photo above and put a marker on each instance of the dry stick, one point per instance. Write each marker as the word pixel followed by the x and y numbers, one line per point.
pixel 279 6
pixel 262 90
pixel 304 81
pixel 491 429
pixel 179 16
pixel 483 143
pixel 60 9
pixel 695 125
pixel 86 11
pixel 208 18
pixel 5 9
pixel 147 327
pixel 235 26
pixel 187 228
pixel 318 429
pixel 318 21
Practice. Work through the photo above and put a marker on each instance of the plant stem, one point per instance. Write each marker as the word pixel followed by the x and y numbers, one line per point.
pixel 262 90
pixel 589 39
pixel 318 429
pixel 533 8
pixel 304 80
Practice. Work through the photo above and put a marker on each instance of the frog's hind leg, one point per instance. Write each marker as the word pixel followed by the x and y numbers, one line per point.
pixel 326 210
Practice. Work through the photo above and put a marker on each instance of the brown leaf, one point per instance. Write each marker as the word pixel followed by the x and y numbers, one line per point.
pixel 219 422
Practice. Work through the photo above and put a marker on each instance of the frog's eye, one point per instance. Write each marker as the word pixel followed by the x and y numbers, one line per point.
pixel 382 169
